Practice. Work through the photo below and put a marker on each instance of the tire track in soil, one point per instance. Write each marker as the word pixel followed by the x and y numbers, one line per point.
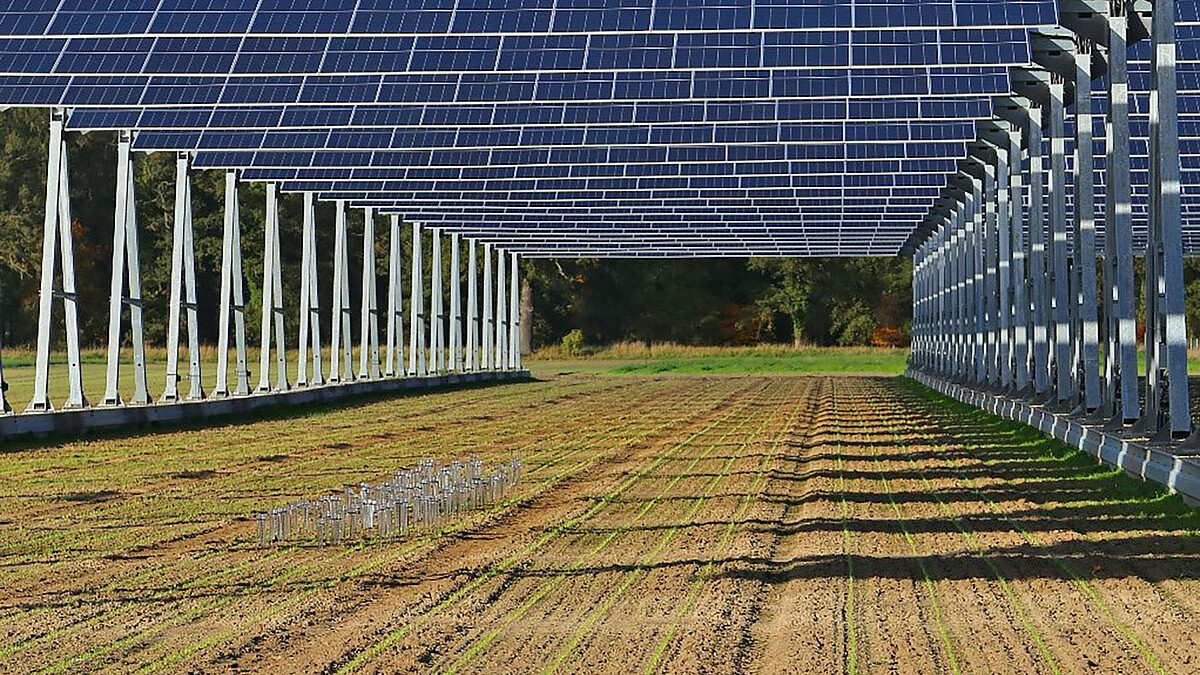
pixel 477 648
pixel 357 658
pixel 294 571
pixel 801 625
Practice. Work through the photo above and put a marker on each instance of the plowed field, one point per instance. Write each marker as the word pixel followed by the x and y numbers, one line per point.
pixel 675 525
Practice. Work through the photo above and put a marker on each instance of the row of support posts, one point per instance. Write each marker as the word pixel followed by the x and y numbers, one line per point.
pixel 1031 316
pixel 455 344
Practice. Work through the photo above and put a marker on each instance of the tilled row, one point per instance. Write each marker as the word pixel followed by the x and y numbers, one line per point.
pixel 681 525
pixel 209 574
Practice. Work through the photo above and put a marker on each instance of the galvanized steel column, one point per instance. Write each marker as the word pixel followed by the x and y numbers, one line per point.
pixel 310 305
pixel 967 372
pixel 455 361
pixel 1064 385
pixel 437 336
pixel 183 289
pixel 368 345
pixel 1085 233
pixel 125 265
pixel 272 303
pixel 1020 283
pixel 1004 303
pixel 991 276
pixel 395 302
pixel 416 335
pixel 56 234
pixel 980 285
pixel 500 352
pixel 232 299
pixel 340 342
pixel 514 313
pixel 1119 226
pixel 472 309
pixel 488 338
pixel 1165 249
pixel 1040 296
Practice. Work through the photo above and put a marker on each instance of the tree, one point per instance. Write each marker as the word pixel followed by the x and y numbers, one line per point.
pixel 790 291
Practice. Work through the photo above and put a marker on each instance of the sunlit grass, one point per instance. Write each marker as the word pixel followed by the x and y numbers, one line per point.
pixel 632 358
pixel 1151 500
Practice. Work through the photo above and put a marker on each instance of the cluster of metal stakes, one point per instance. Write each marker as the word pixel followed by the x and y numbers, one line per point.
pixel 428 495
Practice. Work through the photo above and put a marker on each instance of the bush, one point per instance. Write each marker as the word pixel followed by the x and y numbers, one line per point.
pixel 572 343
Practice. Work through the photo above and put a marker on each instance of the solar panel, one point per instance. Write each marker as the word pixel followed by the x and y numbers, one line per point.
pixel 674 126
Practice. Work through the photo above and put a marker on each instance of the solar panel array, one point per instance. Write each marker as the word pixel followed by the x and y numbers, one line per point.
pixel 576 127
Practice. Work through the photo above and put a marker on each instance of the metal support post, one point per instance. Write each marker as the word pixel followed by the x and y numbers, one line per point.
pixel 514 321
pixel 1037 256
pixel 272 303
pixel 183 289
pixel 980 285
pixel 1064 386
pixel 472 309
pixel 972 350
pixel 368 348
pixel 1004 304
pixel 437 325
pixel 915 344
pixel 340 343
pixel 310 305
pixel 964 292
pixel 1166 334
pixel 1122 348
pixel 56 233
pixel 416 334
pixel 500 352
pixel 488 338
pixel 395 311
pixel 232 299
pixel 1020 283
pixel 1085 232
pixel 936 316
pixel 125 266
pixel 455 362
pixel 991 277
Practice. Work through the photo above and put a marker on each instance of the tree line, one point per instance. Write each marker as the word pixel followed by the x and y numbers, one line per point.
pixel 712 301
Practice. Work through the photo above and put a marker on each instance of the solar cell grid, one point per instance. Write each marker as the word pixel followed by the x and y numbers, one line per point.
pixel 450 102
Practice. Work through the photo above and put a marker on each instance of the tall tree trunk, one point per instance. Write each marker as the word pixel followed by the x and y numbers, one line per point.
pixel 797 331
pixel 526 315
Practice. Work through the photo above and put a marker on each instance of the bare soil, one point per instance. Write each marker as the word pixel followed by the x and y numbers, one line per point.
pixel 676 525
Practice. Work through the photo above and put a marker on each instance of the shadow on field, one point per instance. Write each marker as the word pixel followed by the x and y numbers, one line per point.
pixel 992 497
